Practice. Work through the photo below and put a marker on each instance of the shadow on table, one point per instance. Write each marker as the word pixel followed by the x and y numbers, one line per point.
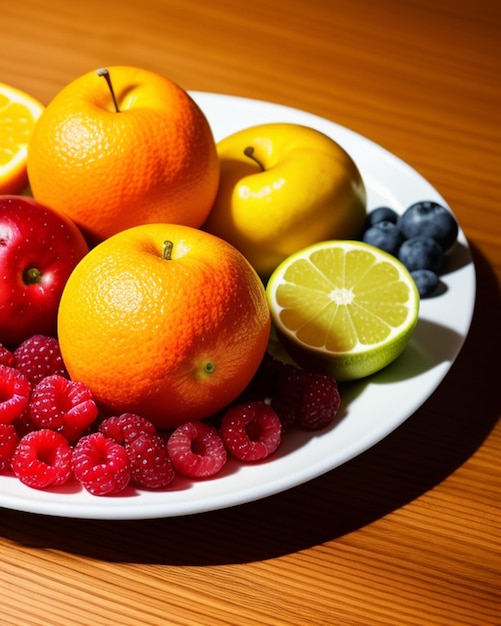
pixel 426 449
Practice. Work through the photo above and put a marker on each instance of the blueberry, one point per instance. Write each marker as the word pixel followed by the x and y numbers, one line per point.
pixel 381 214
pixel 421 253
pixel 429 219
pixel 426 282
pixel 384 235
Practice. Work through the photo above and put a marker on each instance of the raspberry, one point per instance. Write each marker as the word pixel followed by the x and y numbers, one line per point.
pixel 8 444
pixel 15 392
pixel 42 459
pixel 126 427
pixel 39 356
pixel 101 465
pixel 288 392
pixel 252 431
pixel 319 402
pixel 63 405
pixel 150 463
pixel 307 398
pixel 262 385
pixel 7 357
pixel 196 450
pixel 23 423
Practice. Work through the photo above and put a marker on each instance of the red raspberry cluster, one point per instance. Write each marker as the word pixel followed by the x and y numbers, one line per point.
pixel 51 431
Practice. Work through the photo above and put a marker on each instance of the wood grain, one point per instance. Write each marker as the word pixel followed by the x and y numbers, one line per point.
pixel 406 534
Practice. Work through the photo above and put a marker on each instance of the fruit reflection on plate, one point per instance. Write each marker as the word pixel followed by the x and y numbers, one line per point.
pixel 370 409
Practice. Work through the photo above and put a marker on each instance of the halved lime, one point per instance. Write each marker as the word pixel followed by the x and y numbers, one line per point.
pixel 343 307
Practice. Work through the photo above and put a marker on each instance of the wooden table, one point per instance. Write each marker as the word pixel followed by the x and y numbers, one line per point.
pixel 406 533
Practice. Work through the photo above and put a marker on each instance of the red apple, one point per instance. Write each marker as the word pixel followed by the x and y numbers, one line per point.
pixel 38 250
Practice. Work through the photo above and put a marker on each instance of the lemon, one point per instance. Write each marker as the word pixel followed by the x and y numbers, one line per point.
pixel 343 307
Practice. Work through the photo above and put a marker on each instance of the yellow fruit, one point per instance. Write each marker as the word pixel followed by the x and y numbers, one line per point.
pixel 154 160
pixel 172 334
pixel 343 307
pixel 284 187
pixel 19 113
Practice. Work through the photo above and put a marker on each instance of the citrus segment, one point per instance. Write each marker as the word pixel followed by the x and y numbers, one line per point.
pixel 18 114
pixel 343 307
pixel 173 333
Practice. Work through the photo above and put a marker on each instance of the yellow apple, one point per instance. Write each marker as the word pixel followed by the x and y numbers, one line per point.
pixel 282 187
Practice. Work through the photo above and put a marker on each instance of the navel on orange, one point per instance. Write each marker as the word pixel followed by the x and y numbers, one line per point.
pixel 165 321
pixel 140 152
pixel 18 114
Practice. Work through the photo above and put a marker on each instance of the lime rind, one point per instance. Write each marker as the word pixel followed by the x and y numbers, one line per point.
pixel 344 307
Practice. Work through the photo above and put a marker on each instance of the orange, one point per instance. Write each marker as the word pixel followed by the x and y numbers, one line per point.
pixel 172 336
pixel 18 115
pixel 153 160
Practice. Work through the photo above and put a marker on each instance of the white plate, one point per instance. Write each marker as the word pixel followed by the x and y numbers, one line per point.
pixel 371 409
